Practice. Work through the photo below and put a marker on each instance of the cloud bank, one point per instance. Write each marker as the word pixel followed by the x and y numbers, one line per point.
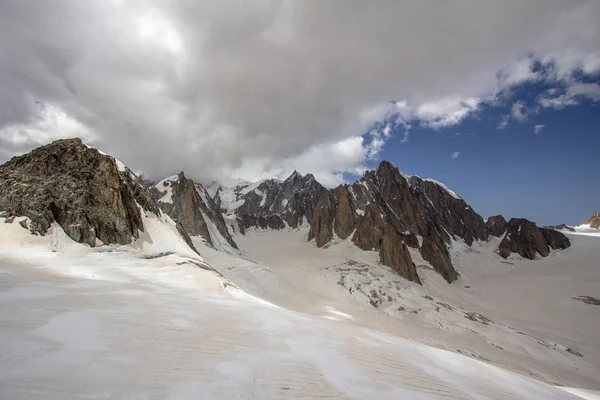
pixel 258 88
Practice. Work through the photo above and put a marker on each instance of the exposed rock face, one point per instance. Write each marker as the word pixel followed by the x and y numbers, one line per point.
pixel 525 238
pixel 370 230
pixel 89 194
pixel 185 236
pixel 393 252
pixel 387 207
pixel 556 240
pixel 271 203
pixel 322 221
pixel 496 225
pixel 593 221
pixel 191 206
pixel 344 214
pixel 434 250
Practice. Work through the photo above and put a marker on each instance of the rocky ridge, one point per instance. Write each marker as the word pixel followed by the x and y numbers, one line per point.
pixel 523 237
pixel 92 196
pixel 270 204
pixel 387 211
pixel 96 199
pixel 189 204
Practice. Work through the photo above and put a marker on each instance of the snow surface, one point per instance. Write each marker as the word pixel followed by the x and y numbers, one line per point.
pixel 584 229
pixel 453 194
pixel 534 319
pixel 155 320
pixel 165 186
pixel 231 193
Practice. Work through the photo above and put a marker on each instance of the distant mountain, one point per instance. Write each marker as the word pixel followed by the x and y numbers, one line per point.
pixel 388 211
pixel 271 203
pixel 92 196
pixel 190 204
pixel 593 221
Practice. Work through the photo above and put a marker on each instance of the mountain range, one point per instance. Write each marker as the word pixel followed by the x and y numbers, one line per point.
pixel 98 200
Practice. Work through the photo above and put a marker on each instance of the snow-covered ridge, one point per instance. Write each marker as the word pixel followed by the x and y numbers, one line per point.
pixel 443 186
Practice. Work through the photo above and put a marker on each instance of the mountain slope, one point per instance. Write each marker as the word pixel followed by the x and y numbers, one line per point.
pixel 169 329
pixel 190 204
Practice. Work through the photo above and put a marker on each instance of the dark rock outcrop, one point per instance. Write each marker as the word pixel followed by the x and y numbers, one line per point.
pixel 272 204
pixel 191 206
pixel 561 227
pixel 434 250
pixel 185 236
pixel 387 207
pixel 593 221
pixel 344 214
pixel 393 252
pixel 556 240
pixel 371 229
pixel 523 237
pixel 86 192
pixel 322 221
pixel 496 225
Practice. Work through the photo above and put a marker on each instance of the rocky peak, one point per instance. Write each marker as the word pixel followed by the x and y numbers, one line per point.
pixel 190 204
pixel 92 196
pixel 294 176
pixel 271 203
pixel 386 207
pixel 593 221
pixel 496 225
pixel 525 238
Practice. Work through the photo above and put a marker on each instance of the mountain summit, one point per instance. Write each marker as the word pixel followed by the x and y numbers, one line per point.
pixel 190 204
pixel 271 203
pixel 593 221
pixel 92 196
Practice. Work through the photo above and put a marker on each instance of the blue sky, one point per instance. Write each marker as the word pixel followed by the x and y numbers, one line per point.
pixel 551 177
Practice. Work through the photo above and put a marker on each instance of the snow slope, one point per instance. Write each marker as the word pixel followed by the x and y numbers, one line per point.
pixel 165 185
pixel 520 314
pixel 104 324
pixel 155 320
pixel 585 230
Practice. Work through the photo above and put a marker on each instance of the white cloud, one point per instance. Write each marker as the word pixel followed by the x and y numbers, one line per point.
pixel 215 85
pixel 574 93
pixel 519 111
pixel 518 73
pixel 50 123
pixel 327 161
pixel 446 112
pixel 455 155
pixel 590 91
pixel 504 123
pixel 538 128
